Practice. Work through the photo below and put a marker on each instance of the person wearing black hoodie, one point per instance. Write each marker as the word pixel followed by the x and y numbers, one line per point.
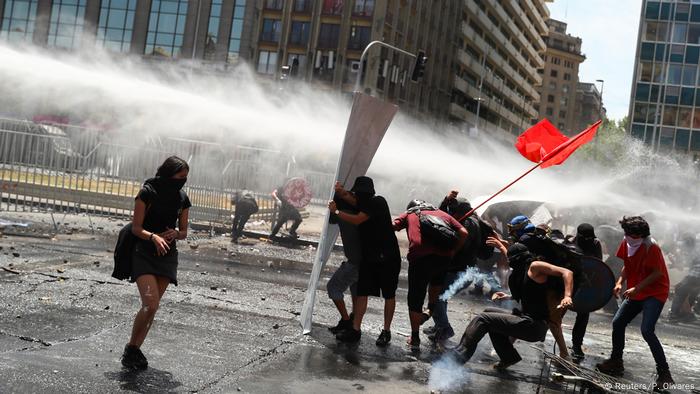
pixel 160 219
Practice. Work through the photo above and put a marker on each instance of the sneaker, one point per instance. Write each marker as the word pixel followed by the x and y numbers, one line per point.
pixel 425 317
pixel 341 326
pixel 577 352
pixel 384 338
pixel 429 330
pixel 442 334
pixel 614 367
pixel 133 358
pixel 664 381
pixel 413 342
pixel 501 366
pixel 349 336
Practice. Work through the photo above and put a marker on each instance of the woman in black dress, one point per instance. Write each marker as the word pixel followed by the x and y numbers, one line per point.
pixel 160 218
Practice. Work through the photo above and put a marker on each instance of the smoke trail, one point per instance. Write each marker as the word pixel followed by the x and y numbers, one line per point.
pixel 470 275
pixel 446 374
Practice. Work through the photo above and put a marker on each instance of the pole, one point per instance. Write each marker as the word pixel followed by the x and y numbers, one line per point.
pixel 196 29
pixel 364 53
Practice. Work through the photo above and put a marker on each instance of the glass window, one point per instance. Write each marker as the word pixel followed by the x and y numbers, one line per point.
pixel 565 88
pixel 654 93
pixel 234 43
pixel 667 134
pixel 680 32
pixel 332 7
pixel 660 52
pixel 652 11
pixel 695 141
pixel 670 114
pixel 682 11
pixel 674 74
pixel 640 113
pixel 684 116
pixel 213 29
pixel 274 4
pixel 663 32
pixel 642 93
pixel 363 7
pixel 550 98
pixel 691 54
pixel 687 96
pixel 267 62
pixel 166 28
pixel 553 73
pixel 299 34
pixel 677 52
pixel 695 13
pixel 297 63
pixel 689 75
pixel 696 120
pixel 637 131
pixel 665 13
pixel 647 51
pixel 66 23
pixel 359 37
pixel 645 69
pixel 682 139
pixel 328 35
pixel 272 29
pixel 116 24
pixel 694 33
pixel 672 93
pixel 651 31
pixel 303 5
pixel 17 24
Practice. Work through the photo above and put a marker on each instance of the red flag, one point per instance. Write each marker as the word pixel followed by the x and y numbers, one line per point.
pixel 563 151
pixel 539 140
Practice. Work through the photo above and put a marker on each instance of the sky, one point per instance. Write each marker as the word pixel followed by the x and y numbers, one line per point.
pixel 609 31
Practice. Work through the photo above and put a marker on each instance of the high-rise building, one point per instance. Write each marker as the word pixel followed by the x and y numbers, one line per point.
pixel 560 77
pixel 205 30
pixel 321 42
pixel 499 51
pixel 665 98
pixel 589 106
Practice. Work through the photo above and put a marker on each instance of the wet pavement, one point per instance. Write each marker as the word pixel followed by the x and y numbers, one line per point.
pixel 232 326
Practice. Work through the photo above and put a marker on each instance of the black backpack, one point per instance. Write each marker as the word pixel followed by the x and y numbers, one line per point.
pixel 436 230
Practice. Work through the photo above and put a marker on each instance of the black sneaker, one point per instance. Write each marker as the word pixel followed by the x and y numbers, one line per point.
pixel 134 358
pixel 384 338
pixel 429 330
pixel 664 381
pixel 349 336
pixel 502 366
pixel 442 334
pixel 341 326
pixel 414 342
pixel 577 353
pixel 613 367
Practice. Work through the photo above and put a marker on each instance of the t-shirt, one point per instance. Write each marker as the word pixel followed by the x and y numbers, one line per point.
pixel 377 236
pixel 416 247
pixel 640 265
pixel 162 212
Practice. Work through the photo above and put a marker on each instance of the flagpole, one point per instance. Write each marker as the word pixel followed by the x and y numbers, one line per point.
pixel 500 191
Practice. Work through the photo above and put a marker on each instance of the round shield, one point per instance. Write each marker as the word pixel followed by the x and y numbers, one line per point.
pixel 298 192
pixel 595 285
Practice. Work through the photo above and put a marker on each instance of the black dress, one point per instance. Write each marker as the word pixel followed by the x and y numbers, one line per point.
pixel 163 208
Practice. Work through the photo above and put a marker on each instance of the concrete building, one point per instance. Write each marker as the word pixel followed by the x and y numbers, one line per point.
pixel 560 77
pixel 665 99
pixel 207 30
pixel 589 106
pixel 499 51
pixel 321 42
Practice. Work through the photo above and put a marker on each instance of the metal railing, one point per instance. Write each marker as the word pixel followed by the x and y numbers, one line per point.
pixel 72 169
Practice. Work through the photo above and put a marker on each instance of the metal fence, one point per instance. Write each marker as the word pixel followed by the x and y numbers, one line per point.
pixel 68 168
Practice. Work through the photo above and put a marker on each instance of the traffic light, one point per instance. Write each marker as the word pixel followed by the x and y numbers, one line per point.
pixel 419 67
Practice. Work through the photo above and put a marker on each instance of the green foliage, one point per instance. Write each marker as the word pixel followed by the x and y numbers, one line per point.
pixel 609 144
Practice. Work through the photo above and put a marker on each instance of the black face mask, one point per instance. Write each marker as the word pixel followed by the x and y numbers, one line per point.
pixel 175 183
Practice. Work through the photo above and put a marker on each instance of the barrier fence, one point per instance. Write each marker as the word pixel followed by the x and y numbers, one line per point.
pixel 73 169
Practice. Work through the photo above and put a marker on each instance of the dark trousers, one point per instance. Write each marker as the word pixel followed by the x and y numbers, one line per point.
pixel 500 324
pixel 287 212
pixel 579 330
pixel 651 310
pixel 688 290
pixel 239 221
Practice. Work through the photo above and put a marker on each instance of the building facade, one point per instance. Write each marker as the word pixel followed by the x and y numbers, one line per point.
pixel 665 98
pixel 206 30
pixel 560 78
pixel 321 42
pixel 589 106
pixel 499 51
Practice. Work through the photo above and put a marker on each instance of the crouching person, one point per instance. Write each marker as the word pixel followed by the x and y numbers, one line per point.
pixel 528 284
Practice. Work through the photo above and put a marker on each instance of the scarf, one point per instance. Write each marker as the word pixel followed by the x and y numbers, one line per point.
pixel 633 245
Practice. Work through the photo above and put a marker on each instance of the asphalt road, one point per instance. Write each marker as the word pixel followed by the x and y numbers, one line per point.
pixel 232 326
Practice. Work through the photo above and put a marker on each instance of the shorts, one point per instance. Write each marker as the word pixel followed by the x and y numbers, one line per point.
pixel 428 270
pixel 345 276
pixel 378 278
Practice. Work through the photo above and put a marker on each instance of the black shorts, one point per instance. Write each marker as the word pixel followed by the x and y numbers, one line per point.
pixel 378 278
pixel 427 270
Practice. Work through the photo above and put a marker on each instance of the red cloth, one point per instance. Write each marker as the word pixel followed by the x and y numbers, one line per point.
pixel 563 151
pixel 416 247
pixel 537 141
pixel 640 265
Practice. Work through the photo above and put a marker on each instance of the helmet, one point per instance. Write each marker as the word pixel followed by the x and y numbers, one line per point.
pixel 414 203
pixel 520 225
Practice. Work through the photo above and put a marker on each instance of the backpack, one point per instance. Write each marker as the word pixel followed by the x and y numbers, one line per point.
pixel 436 230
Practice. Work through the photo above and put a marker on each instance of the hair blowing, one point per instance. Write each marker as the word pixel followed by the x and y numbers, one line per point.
pixel 635 225
pixel 171 166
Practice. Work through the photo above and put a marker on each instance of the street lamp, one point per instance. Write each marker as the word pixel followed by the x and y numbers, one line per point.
pixel 478 109
pixel 600 104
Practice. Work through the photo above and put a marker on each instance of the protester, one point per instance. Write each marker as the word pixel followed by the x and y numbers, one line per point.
pixel 528 284
pixel 346 275
pixel 687 289
pixel 287 212
pixel 381 259
pixel 647 281
pixel 160 218
pixel 427 261
pixel 589 245
pixel 245 207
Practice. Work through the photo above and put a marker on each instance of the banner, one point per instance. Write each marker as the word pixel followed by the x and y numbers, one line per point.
pixel 369 120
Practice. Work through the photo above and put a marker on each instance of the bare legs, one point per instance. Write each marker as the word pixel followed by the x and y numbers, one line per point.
pixel 151 288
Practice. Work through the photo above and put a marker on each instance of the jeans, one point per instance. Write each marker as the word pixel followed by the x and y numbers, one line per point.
pixel 440 310
pixel 651 310
pixel 287 212
pixel 579 330
pixel 687 289
pixel 500 324
pixel 239 221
